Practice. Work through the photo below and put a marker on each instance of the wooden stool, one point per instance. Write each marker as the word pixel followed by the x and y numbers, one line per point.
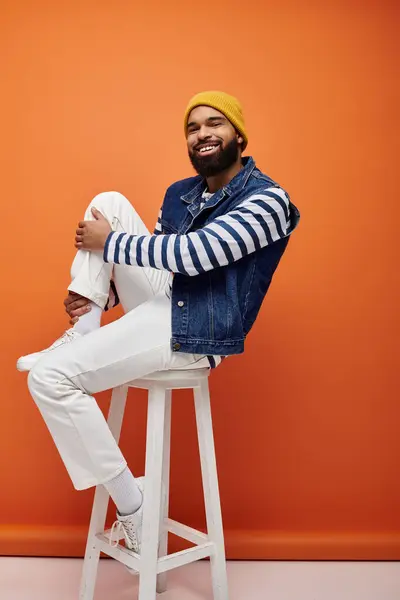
pixel 153 562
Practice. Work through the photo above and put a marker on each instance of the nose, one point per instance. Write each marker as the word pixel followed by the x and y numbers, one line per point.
pixel 203 133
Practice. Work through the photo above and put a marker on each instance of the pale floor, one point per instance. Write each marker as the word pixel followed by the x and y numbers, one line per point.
pixel 58 579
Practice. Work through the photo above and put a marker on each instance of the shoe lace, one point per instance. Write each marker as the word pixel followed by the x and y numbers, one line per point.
pixel 69 334
pixel 119 530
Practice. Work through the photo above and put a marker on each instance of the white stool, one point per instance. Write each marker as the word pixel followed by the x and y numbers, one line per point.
pixel 154 562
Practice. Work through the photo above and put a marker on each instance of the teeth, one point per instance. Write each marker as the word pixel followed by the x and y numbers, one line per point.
pixel 207 148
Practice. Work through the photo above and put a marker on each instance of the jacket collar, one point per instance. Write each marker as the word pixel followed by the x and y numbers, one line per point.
pixel 236 184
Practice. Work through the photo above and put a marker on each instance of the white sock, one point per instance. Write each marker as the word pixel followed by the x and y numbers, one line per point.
pixel 125 493
pixel 90 320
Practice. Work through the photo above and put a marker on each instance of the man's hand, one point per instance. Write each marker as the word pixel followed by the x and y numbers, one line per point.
pixel 76 306
pixel 92 235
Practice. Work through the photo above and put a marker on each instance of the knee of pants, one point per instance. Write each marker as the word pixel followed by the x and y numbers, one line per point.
pixel 112 205
pixel 106 200
pixel 45 382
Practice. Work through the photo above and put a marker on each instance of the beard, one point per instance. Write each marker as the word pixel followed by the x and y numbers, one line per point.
pixel 208 166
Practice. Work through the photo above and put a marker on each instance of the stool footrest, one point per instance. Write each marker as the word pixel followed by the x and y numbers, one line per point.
pixel 120 553
pixel 166 563
pixel 184 557
pixel 186 532
pixel 176 528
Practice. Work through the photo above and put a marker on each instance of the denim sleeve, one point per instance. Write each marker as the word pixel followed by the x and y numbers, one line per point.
pixel 158 227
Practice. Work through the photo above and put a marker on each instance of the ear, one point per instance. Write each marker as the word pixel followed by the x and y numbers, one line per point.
pixel 240 142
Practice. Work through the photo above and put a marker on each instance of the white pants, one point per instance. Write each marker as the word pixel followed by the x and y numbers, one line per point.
pixel 63 381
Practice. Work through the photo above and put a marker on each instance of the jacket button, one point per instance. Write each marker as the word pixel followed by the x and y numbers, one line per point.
pixel 176 346
pixel 181 303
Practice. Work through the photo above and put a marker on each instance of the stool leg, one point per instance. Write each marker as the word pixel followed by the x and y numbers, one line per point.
pixel 163 545
pixel 211 490
pixel 100 504
pixel 152 493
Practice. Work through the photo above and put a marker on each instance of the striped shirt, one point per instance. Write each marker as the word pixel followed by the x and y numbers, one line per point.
pixel 255 223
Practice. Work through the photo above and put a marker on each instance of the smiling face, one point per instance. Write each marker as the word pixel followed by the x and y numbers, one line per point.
pixel 214 145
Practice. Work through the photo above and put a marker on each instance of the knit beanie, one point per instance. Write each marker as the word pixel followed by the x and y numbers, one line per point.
pixel 226 104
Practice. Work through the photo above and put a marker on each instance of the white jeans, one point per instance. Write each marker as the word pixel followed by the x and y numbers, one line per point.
pixel 63 381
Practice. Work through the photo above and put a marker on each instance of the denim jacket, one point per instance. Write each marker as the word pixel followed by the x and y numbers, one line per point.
pixel 213 312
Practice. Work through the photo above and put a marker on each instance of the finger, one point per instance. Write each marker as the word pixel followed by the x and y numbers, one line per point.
pixel 79 238
pixel 82 224
pixel 80 303
pixel 70 298
pixel 98 215
pixel 79 245
pixel 80 311
pixel 74 321
pixel 80 231
pixel 68 301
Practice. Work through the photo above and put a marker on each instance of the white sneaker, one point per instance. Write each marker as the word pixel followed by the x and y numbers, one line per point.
pixel 25 363
pixel 130 526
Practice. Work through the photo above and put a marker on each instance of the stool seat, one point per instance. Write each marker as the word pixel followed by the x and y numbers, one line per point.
pixel 178 379
pixel 172 375
pixel 154 561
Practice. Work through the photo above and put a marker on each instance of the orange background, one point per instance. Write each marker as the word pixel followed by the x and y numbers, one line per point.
pixel 307 421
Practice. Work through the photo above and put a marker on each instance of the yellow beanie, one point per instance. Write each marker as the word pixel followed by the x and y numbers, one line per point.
pixel 226 104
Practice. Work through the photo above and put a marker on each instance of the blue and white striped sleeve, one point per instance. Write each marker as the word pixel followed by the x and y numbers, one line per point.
pixel 258 221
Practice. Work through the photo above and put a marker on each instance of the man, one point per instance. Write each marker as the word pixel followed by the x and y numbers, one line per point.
pixel 191 292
